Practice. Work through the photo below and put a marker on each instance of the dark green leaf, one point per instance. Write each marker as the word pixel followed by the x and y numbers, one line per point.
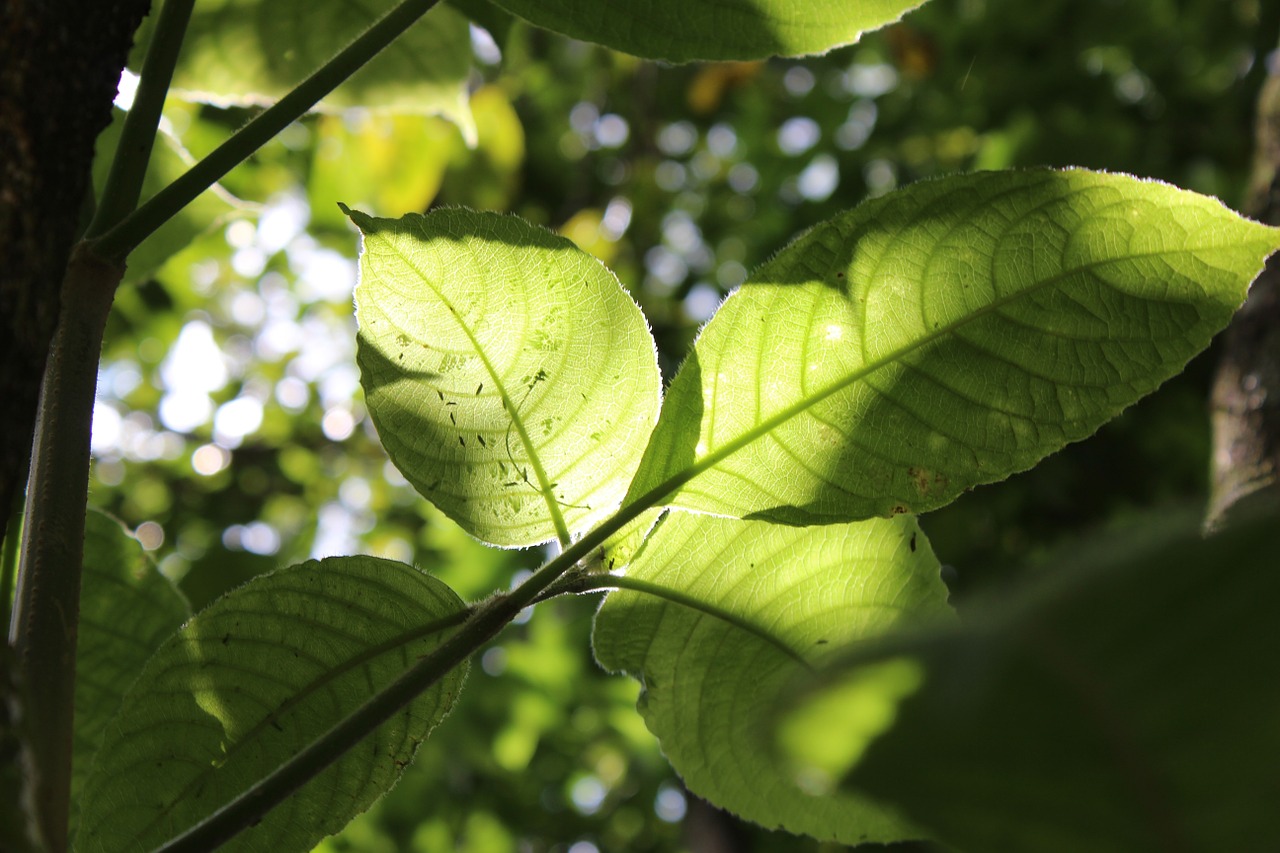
pixel 250 681
pixel 1127 702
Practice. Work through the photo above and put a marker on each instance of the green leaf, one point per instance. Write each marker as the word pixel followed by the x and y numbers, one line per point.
pixel 127 609
pixel 945 336
pixel 512 380
pixel 718 615
pixel 1128 701
pixel 684 30
pixel 253 679
pixel 252 52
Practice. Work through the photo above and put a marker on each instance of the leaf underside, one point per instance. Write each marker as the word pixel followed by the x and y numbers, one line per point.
pixel 685 30
pixel 728 613
pixel 944 336
pixel 127 609
pixel 250 681
pixel 512 380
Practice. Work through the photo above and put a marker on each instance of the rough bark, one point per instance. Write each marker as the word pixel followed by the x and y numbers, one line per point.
pixel 1246 392
pixel 59 64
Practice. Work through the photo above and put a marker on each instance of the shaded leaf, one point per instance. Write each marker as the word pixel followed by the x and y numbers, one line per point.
pixel 252 52
pixel 718 615
pixel 945 336
pixel 683 30
pixel 127 609
pixel 1126 702
pixel 253 679
pixel 512 380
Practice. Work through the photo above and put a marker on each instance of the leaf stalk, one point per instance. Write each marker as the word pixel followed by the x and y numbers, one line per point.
pixel 137 137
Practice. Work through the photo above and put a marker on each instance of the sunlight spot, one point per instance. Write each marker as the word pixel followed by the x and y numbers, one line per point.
pixel 338 424
pixel 835 332
pixel 150 535
pixel 235 420
pixel 494 661
pixel 701 449
pixel 797 135
pixel 670 805
pixel 126 89
pixel 588 795
pixel 209 459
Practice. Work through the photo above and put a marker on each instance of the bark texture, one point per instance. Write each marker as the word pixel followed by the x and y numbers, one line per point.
pixel 1246 393
pixel 59 64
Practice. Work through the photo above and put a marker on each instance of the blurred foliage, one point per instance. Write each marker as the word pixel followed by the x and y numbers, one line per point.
pixel 230 426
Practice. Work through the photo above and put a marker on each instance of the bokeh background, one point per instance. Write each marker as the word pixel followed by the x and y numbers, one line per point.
pixel 230 430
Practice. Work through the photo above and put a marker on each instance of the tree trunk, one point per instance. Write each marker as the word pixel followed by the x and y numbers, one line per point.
pixel 1246 392
pixel 59 64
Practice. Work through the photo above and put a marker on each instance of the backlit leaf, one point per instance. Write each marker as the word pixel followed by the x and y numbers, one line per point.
pixel 945 336
pixel 719 615
pixel 512 380
pixel 253 679
pixel 252 52
pixel 683 30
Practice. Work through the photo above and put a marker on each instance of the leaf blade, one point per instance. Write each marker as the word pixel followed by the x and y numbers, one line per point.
pixel 127 610
pixel 512 380
pixel 707 30
pixel 715 615
pixel 948 335
pixel 253 52
pixel 242 688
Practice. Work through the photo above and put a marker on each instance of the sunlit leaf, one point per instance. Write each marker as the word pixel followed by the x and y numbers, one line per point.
pixel 252 52
pixel 512 380
pixel 1126 702
pixel 391 164
pixel 945 336
pixel 127 609
pixel 719 615
pixel 683 30
pixel 253 679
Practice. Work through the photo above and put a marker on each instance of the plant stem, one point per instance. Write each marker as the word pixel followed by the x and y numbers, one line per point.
pixel 123 238
pixel 133 153
pixel 46 608
pixel 490 618
pixel 9 559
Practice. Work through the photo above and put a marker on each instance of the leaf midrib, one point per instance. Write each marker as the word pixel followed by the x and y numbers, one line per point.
pixel 544 482
pixel 719 454
pixel 302 694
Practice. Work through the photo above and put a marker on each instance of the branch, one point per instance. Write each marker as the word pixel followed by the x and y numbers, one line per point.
pixel 117 243
pixel 1246 392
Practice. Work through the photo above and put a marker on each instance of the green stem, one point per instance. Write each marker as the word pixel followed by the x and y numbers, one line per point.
pixel 133 153
pixel 47 604
pixel 9 559
pixel 123 238
pixel 251 805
